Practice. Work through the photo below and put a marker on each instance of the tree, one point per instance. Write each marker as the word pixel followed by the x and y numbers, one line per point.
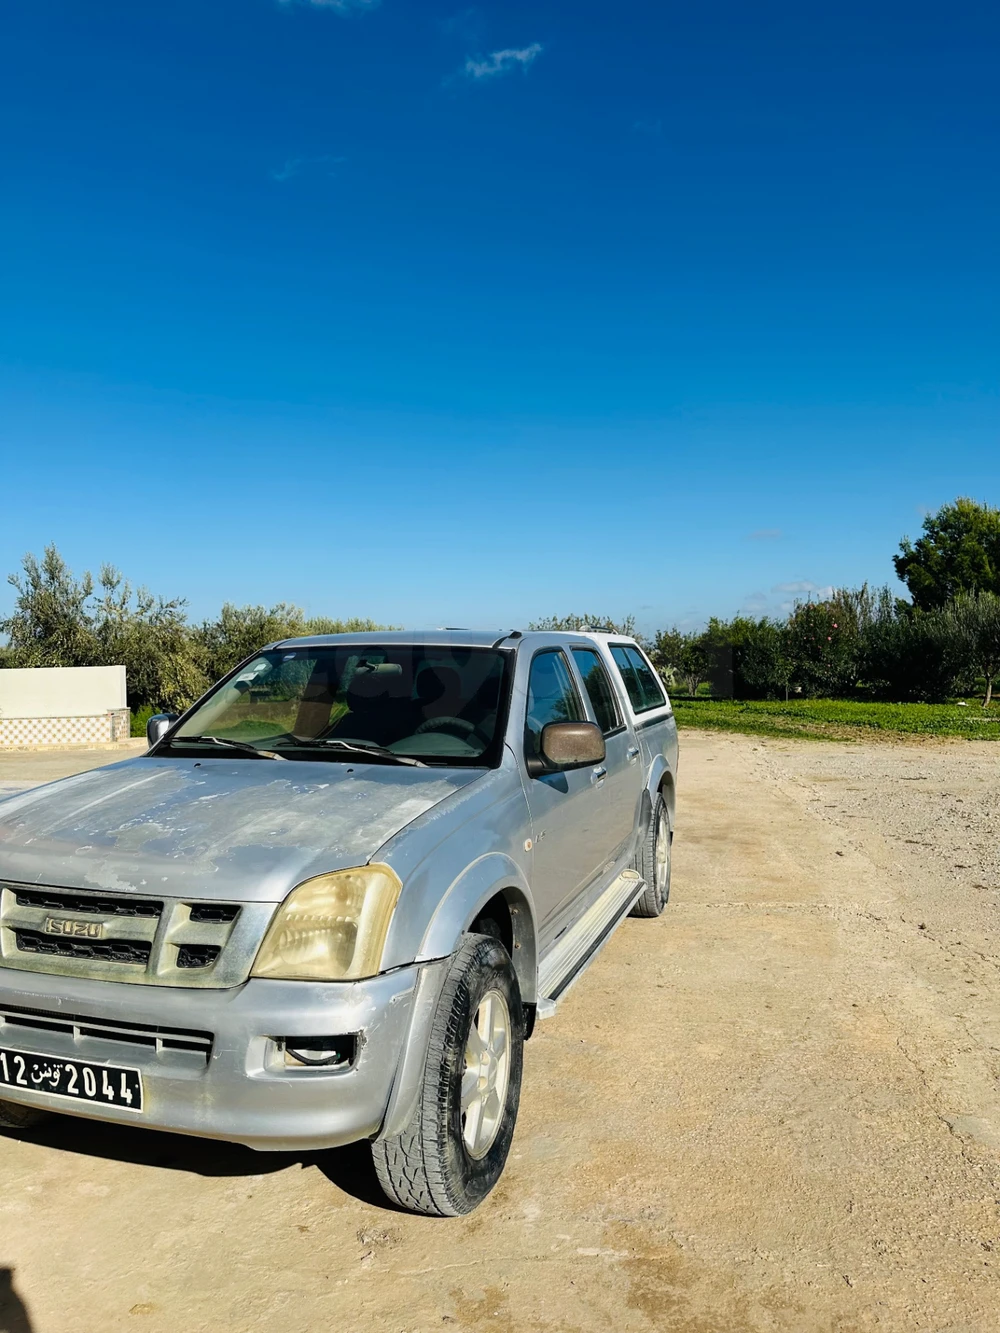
pixel 599 624
pixel 958 553
pixel 681 654
pixel 762 664
pixel 50 625
pixel 903 653
pixel 164 662
pixel 242 630
pixel 823 646
pixel 59 620
pixel 717 643
pixel 974 619
pixel 352 625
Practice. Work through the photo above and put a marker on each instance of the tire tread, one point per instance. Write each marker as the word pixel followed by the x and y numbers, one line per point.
pixel 648 903
pixel 410 1166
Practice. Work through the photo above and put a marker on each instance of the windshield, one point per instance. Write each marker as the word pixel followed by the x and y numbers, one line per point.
pixel 356 704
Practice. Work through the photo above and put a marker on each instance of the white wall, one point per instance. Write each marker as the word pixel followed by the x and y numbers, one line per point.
pixel 61 691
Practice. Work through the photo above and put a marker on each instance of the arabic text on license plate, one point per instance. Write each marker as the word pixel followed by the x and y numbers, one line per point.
pixel 105 1085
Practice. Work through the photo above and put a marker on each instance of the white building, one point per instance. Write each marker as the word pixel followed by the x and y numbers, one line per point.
pixel 42 706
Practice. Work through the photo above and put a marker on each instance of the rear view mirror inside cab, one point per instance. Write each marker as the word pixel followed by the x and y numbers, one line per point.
pixel 568 745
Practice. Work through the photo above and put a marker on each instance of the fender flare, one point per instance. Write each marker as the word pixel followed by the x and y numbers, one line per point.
pixel 485 878
pixel 660 777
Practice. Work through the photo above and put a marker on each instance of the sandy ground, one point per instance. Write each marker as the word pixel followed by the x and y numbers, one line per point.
pixel 27 768
pixel 774 1108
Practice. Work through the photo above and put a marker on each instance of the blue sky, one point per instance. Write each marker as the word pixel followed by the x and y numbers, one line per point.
pixel 468 315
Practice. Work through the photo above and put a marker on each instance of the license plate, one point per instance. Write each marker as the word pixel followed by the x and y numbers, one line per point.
pixel 102 1085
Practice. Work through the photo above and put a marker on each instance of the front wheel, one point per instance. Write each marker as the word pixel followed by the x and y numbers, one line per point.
pixel 453 1151
pixel 653 863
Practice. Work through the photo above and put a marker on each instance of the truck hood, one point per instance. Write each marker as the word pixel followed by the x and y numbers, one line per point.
pixel 241 829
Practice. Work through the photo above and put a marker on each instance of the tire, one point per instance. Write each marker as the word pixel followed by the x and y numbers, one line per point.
pixel 444 1163
pixel 652 865
pixel 14 1116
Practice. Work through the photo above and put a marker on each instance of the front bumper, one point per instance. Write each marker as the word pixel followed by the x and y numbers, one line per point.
pixel 243 1092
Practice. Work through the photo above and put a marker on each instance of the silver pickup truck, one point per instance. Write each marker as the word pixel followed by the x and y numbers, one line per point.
pixel 333 898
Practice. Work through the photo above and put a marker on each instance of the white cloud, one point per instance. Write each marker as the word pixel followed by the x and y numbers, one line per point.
pixel 467 25
pixel 802 586
pixel 295 166
pixel 338 6
pixel 502 62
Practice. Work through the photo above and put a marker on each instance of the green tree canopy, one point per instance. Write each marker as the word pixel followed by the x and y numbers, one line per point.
pixel 682 655
pixel 599 624
pixel 50 625
pixel 904 654
pixel 241 630
pixel 59 620
pixel 149 636
pixel 974 619
pixel 959 552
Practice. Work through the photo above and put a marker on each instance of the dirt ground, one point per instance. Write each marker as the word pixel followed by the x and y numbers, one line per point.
pixel 774 1108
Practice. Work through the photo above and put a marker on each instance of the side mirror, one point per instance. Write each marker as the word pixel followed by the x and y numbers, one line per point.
pixel 158 725
pixel 569 745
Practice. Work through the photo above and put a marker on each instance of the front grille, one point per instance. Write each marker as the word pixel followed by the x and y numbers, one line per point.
pixel 197 955
pixel 161 941
pixel 135 952
pixel 79 902
pixel 215 912
pixel 79 1026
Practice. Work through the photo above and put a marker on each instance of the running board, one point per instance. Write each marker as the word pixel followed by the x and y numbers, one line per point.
pixel 580 943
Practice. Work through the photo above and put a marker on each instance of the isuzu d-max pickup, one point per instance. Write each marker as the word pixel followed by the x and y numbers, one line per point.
pixel 334 896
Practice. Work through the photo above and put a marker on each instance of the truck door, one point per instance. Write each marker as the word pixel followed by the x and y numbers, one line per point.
pixel 566 807
pixel 621 788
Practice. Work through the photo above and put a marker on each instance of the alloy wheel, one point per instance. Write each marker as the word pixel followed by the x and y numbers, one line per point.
pixel 486 1074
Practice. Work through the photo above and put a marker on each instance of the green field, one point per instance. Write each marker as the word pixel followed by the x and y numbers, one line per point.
pixel 836 719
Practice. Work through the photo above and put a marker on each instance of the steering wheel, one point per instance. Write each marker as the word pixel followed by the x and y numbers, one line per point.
pixel 445 724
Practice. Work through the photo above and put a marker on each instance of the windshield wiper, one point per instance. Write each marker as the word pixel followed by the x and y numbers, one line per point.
pixel 359 747
pixel 242 746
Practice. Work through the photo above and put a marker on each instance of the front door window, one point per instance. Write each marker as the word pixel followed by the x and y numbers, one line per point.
pixel 552 697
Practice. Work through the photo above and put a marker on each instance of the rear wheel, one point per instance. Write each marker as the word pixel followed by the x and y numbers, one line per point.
pixel 653 863
pixel 453 1151
pixel 14 1116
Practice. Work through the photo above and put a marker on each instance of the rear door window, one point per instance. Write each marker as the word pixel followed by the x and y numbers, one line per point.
pixel 643 689
pixel 599 690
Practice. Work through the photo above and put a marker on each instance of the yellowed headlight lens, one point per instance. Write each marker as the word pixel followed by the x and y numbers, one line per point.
pixel 331 928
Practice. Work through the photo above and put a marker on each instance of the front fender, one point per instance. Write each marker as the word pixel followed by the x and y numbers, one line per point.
pixel 454 858
pixel 489 876
pixel 493 873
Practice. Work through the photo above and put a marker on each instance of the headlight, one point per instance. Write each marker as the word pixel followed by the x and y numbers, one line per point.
pixel 331 928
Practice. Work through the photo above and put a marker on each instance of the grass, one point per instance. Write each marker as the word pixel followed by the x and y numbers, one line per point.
pixel 839 719
pixel 139 719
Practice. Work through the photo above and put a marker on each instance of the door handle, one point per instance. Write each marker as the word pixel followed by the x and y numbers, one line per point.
pixel 598 775
pixel 632 753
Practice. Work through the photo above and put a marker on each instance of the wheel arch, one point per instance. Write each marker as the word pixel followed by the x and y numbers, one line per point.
pixel 492 882
pixel 668 790
pixel 660 782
